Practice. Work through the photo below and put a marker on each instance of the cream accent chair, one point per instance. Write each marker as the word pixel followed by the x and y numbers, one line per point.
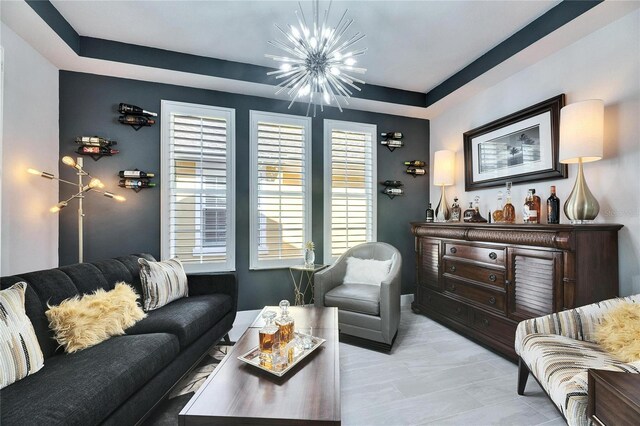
pixel 365 311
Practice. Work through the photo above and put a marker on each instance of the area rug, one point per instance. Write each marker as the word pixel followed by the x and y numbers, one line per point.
pixel 167 413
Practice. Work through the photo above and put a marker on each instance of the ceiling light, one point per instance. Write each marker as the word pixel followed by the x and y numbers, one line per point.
pixel 316 61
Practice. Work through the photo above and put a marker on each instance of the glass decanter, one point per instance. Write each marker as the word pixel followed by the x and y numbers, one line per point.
pixel 285 323
pixel 498 215
pixel 269 339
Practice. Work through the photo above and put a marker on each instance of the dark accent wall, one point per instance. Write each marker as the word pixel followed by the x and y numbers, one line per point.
pixel 88 106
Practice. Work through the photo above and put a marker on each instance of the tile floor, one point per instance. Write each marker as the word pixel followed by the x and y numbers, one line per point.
pixel 432 376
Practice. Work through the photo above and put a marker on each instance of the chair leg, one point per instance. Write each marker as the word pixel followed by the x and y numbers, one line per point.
pixel 227 340
pixel 523 375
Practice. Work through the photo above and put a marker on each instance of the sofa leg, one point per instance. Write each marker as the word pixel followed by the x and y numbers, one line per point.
pixel 523 375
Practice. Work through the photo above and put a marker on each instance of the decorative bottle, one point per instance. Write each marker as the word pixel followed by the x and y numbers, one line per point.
pixel 468 213
pixel 97 150
pixel 509 211
pixel 553 207
pixel 391 135
pixel 285 323
pixel 136 120
pixel 430 214
pixel 269 340
pixel 415 171
pixel 456 211
pixel 135 183
pixel 497 213
pixel 536 204
pixel 414 163
pixel 134 110
pixel 135 174
pixel 529 214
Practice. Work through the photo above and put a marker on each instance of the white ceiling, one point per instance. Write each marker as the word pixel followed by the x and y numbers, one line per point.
pixel 412 45
pixel 21 18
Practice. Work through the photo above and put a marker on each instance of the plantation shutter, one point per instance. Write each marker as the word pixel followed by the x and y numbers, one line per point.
pixel 200 211
pixel 281 196
pixel 352 183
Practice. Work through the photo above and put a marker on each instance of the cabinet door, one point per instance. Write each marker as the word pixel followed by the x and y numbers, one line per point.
pixel 428 261
pixel 534 283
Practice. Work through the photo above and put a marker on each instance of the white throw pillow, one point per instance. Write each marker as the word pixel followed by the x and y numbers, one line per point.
pixel 20 353
pixel 162 282
pixel 366 271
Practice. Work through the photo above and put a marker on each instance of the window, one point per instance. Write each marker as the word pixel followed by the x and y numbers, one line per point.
pixel 198 186
pixel 280 189
pixel 349 186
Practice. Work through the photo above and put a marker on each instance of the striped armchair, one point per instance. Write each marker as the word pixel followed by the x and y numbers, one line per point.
pixel 559 348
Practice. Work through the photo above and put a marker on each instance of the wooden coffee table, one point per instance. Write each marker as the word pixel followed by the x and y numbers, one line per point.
pixel 240 394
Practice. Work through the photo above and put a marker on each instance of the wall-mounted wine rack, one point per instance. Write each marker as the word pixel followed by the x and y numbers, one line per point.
pixel 96 147
pixel 135 116
pixel 392 188
pixel 392 140
pixel 135 180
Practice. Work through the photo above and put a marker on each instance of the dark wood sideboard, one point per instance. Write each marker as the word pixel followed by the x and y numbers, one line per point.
pixel 483 279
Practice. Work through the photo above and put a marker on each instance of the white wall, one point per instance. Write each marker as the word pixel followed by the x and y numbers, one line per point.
pixel 603 65
pixel 29 236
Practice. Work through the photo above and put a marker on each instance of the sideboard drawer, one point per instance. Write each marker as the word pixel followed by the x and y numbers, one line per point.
pixel 501 329
pixel 491 255
pixel 493 277
pixel 489 298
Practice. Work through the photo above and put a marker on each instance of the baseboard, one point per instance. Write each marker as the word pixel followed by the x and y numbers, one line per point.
pixel 406 299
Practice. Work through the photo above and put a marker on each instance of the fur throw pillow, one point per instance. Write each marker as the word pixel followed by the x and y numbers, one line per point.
pixel 619 332
pixel 81 322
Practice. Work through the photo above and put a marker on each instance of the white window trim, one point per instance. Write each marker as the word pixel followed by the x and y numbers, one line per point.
pixel 329 125
pixel 254 220
pixel 167 107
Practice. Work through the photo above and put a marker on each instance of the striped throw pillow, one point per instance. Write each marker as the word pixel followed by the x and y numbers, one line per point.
pixel 162 282
pixel 20 353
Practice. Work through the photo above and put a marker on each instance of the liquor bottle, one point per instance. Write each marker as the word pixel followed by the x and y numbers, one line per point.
pixel 134 110
pixel 394 183
pixel 135 183
pixel 553 207
pixel 509 211
pixel 94 141
pixel 497 213
pixel 136 120
pixel 391 135
pixel 536 204
pixel 99 150
pixel 136 174
pixel 393 143
pixel 476 217
pixel 416 171
pixel 285 323
pixel 529 214
pixel 456 211
pixel 430 214
pixel 393 191
pixel 414 163
pixel 268 340
pixel 468 213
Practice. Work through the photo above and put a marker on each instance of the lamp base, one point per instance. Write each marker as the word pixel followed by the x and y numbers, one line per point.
pixel 581 206
pixel 443 212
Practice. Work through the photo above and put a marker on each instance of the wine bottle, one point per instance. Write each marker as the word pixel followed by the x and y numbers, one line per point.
pixel 393 191
pixel 414 163
pixel 430 214
pixel 136 120
pixel 94 141
pixel 135 183
pixel 394 183
pixel 416 171
pixel 391 135
pixel 134 110
pixel 136 174
pixel 529 214
pixel 553 207
pixel 393 143
pixel 97 150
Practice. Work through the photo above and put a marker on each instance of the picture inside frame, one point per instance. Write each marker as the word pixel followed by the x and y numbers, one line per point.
pixel 517 148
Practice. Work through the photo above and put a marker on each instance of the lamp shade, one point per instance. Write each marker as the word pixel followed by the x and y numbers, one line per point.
pixel 582 131
pixel 443 168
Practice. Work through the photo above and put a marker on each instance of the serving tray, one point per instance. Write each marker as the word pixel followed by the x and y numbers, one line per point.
pixel 253 356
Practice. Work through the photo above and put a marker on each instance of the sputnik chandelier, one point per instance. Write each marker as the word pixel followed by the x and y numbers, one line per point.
pixel 320 60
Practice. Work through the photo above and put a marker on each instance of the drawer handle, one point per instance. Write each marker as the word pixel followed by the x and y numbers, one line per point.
pixel 492 300
pixel 453 268
pixel 493 256
pixel 453 250
pixel 507 282
pixel 492 278
pixel 485 322
pixel 452 287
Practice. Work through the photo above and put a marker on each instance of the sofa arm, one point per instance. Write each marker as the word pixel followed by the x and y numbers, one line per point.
pixel 227 283
pixel 390 290
pixel 327 279
pixel 579 323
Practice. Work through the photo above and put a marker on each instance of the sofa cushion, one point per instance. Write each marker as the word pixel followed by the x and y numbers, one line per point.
pixel 186 318
pixel 84 387
pixel 557 361
pixel 86 277
pixel 363 298
pixel 366 271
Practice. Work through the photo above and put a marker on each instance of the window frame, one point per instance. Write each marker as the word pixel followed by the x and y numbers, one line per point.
pixel 228 114
pixel 328 127
pixel 254 220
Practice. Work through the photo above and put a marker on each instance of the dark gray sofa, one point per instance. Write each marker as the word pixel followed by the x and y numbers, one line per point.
pixel 118 381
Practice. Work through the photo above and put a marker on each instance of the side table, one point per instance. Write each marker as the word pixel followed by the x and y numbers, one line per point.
pixel 302 277
pixel 614 398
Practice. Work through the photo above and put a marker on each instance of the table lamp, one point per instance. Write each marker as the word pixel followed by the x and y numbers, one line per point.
pixel 443 173
pixel 581 141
